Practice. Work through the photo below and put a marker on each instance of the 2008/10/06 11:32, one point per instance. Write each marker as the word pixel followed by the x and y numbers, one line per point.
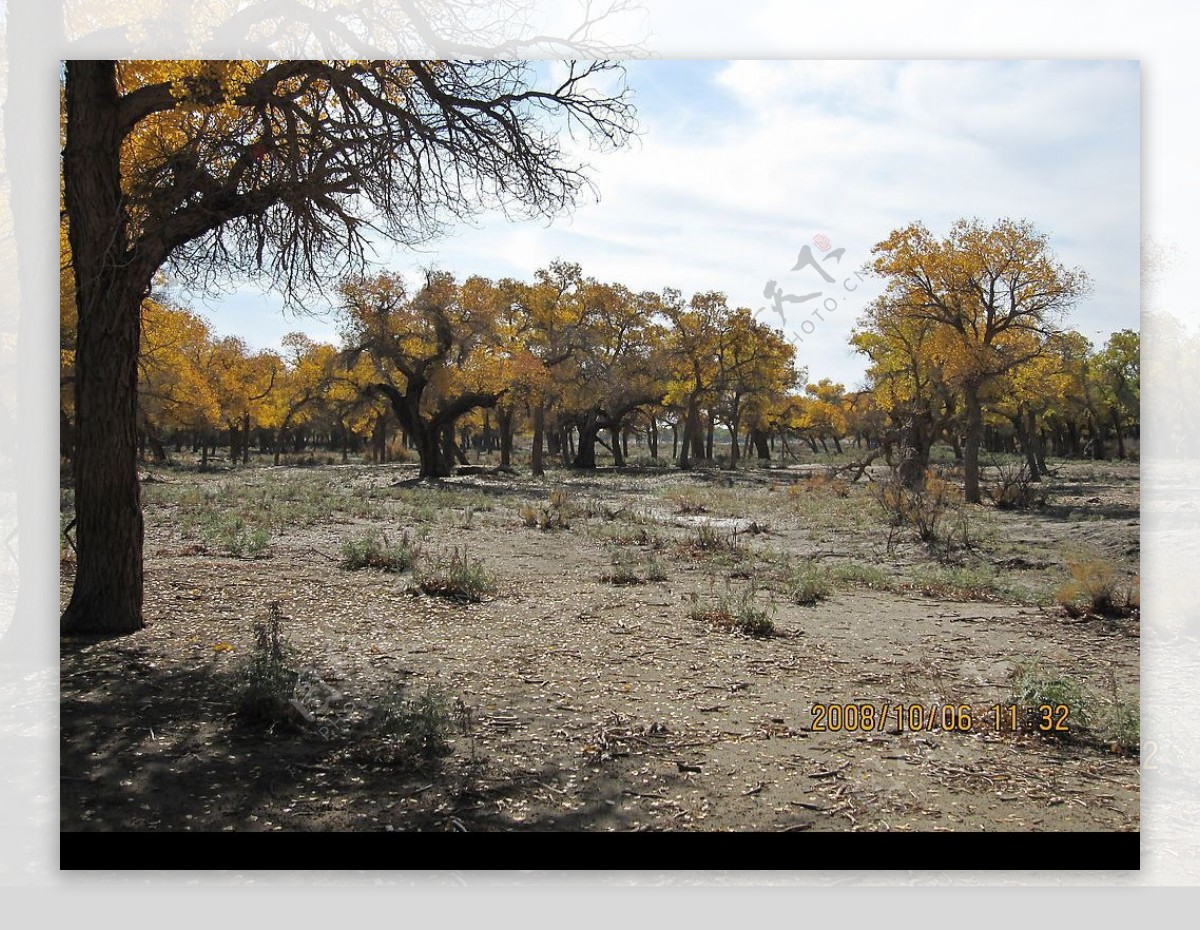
pixel 1045 718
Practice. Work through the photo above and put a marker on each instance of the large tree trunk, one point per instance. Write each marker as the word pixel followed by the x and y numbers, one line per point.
pixel 107 596
pixel 617 450
pixel 1116 422
pixel 759 440
pixel 915 442
pixel 585 456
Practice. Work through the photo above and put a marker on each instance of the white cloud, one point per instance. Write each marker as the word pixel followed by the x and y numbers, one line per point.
pixel 741 163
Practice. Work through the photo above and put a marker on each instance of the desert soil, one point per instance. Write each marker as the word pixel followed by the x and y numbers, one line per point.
pixel 579 704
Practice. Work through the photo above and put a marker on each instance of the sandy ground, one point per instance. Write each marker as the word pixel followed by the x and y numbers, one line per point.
pixel 579 704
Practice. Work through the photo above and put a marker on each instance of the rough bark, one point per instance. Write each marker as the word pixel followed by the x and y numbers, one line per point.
pixel 107 595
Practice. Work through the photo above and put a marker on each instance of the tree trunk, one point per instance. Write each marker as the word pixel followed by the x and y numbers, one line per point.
pixel 652 438
pixel 973 423
pixel 617 451
pixel 1116 422
pixel 107 596
pixel 733 442
pixel 246 439
pixel 690 430
pixel 708 437
pixel 761 449
pixel 504 421
pixel 585 457
pixel 539 430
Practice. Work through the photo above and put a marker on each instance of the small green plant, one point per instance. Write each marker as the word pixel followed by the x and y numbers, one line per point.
pixel 1118 724
pixel 1034 686
pixel 1095 589
pixel 267 679
pixel 737 613
pixel 1015 488
pixel 456 577
pixel 851 574
pixel 415 730
pixel 373 550
pixel 808 584
pixel 631 568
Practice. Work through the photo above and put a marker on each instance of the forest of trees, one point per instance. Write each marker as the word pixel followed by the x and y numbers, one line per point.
pixel 563 365
pixel 288 169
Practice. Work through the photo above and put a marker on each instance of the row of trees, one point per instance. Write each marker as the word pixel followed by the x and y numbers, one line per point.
pixel 287 167
pixel 282 167
pixel 971 328
pixel 572 363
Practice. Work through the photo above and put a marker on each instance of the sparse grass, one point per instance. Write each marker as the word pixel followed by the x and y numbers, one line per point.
pixel 1096 590
pixel 622 536
pixel 738 613
pixel 809 584
pixel 851 574
pixel 457 577
pixel 965 584
pixel 630 568
pixel 414 731
pixel 374 550
pixel 1035 686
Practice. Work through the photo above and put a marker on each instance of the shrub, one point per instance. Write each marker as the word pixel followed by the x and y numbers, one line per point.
pixel 1033 686
pixel 687 502
pixel 1095 589
pixel 1119 724
pixel 268 677
pixel 739 614
pixel 374 551
pixel 933 510
pixel 629 568
pixel 415 730
pixel 1015 488
pixel 809 584
pixel 552 515
pixel 233 536
pixel 458 578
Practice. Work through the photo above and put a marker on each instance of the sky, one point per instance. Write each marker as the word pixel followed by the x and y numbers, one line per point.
pixel 739 165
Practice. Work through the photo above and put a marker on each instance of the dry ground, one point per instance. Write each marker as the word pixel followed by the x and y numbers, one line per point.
pixel 575 702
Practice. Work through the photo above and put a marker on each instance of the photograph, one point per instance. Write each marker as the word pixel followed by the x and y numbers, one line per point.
pixel 593 445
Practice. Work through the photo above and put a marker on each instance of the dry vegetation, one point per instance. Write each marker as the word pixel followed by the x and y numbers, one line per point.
pixel 339 647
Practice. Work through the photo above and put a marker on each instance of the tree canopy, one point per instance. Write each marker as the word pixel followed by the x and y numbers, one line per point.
pixel 283 166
